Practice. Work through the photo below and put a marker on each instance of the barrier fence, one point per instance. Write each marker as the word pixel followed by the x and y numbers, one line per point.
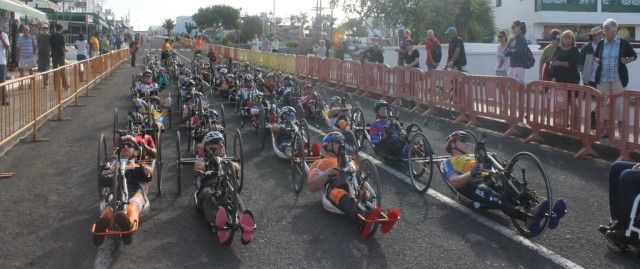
pixel 32 99
pixel 570 110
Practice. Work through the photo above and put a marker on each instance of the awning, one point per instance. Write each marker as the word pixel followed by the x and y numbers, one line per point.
pixel 22 9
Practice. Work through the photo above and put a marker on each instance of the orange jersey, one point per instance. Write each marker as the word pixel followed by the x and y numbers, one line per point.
pixel 322 166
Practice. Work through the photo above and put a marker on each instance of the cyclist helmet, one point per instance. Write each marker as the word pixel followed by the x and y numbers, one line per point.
pixel 335 100
pixel 289 111
pixel 455 136
pixel 332 137
pixel 136 117
pixel 248 77
pixel 379 104
pixel 223 70
pixel 231 76
pixel 147 71
pixel 213 136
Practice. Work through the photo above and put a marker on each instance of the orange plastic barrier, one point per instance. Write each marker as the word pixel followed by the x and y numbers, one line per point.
pixel 314 67
pixel 302 65
pixel 625 135
pixel 496 97
pixel 565 109
pixel 446 89
pixel 351 75
pixel 375 78
pixel 332 70
pixel 406 82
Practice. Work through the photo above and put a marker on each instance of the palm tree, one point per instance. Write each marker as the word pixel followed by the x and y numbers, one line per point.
pixel 168 25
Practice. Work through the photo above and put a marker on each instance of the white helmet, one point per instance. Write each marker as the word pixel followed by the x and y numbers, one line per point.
pixel 213 136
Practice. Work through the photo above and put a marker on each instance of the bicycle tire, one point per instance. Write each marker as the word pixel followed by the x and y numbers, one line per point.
pixel 115 125
pixel 358 126
pixel 159 163
pixel 297 171
pixel 371 181
pixel 419 147
pixel 238 154
pixel 178 163
pixel 523 200
pixel 101 160
pixel 262 129
pixel 304 128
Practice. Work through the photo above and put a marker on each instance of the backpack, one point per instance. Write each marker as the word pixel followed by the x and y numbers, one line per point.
pixel 529 60
pixel 436 52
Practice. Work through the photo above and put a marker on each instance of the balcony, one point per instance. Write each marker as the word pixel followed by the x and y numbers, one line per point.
pixel 626 6
pixel 568 5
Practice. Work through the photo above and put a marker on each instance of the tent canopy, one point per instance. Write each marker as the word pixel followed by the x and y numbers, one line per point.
pixel 22 9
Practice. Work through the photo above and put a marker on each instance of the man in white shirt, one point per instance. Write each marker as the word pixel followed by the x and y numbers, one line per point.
pixel 4 49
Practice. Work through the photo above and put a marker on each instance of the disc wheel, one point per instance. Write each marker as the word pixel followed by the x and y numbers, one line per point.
pixel 238 156
pixel 101 160
pixel 369 181
pixel 527 185
pixel 358 127
pixel 178 163
pixel 420 162
pixel 298 174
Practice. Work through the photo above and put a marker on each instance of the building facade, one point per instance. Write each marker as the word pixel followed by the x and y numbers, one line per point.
pixel 180 21
pixel 577 15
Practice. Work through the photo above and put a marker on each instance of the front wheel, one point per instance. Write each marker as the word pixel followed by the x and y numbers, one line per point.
pixel 101 160
pixel 238 157
pixel 526 184
pixel 419 156
pixel 298 174
pixel 358 127
pixel 369 182
pixel 178 163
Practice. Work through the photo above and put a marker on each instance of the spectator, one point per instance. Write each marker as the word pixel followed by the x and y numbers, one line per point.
pixel 255 43
pixel 27 49
pixel 501 68
pixel 119 41
pixel 457 57
pixel 95 46
pixel 342 49
pixel 82 46
pixel 275 44
pixel 517 51
pixel 133 49
pixel 404 35
pixel 612 55
pixel 431 43
pixel 624 186
pixel 57 51
pixel 544 73
pixel 321 49
pixel 212 56
pixel 199 46
pixel 44 53
pixel 586 64
pixel 564 66
pixel 327 43
pixel 373 54
pixel 412 59
pixel 104 44
pixel 4 50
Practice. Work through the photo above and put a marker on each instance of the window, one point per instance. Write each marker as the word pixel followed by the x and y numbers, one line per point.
pixel 498 3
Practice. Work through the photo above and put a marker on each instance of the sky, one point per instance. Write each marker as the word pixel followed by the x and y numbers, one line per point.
pixel 145 13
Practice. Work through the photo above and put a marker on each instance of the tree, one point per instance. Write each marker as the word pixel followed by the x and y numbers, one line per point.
pixel 212 16
pixel 168 25
pixel 189 26
pixel 355 26
pixel 250 27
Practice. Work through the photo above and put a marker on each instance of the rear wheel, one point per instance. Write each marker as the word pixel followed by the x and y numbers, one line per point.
pixel 369 180
pixel 527 185
pixel 298 174
pixel 178 162
pixel 420 162
pixel 101 160
pixel 238 156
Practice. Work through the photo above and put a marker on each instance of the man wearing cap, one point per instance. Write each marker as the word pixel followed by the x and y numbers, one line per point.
pixel 586 65
pixel 44 52
pixel 457 58
pixel 547 55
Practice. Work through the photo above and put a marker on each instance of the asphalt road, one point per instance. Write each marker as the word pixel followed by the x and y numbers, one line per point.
pixel 47 209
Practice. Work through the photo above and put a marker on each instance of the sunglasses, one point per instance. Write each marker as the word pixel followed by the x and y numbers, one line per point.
pixel 129 145
pixel 214 142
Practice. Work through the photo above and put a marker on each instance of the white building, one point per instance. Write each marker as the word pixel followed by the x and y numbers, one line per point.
pixel 180 21
pixel 577 15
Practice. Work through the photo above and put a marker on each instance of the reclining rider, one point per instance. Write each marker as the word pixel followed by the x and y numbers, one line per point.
pixel 461 170
pixel 324 176
pixel 210 200
pixel 146 87
pixel 138 173
pixel 624 186
pixel 338 113
pixel 283 137
pixel 387 140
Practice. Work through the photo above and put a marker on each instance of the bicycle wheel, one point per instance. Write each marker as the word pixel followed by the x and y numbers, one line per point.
pixel 238 156
pixel 101 160
pixel 159 161
pixel 169 114
pixel 369 181
pixel 178 162
pixel 304 131
pixel 190 134
pixel 420 162
pixel 527 185
pixel 298 174
pixel 262 129
pixel 222 122
pixel 358 127
pixel 115 124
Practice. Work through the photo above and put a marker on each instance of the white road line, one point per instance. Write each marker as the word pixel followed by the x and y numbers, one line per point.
pixel 511 234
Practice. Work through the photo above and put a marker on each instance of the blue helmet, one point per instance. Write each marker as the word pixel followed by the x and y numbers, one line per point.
pixel 333 137
pixel 290 111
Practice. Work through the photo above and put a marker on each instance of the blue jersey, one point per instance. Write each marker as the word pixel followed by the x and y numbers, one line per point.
pixel 377 128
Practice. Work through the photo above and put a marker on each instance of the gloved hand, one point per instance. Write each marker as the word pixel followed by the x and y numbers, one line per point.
pixel 475 170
